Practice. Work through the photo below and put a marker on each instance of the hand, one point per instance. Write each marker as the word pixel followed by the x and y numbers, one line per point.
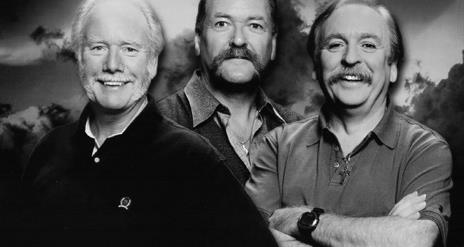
pixel 284 240
pixel 409 206
pixel 285 219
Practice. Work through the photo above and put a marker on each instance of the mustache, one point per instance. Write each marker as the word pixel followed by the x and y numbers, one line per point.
pixel 358 72
pixel 238 52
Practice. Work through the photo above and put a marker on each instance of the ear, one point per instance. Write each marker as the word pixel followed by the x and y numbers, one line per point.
pixel 273 48
pixel 197 44
pixel 393 72
pixel 153 67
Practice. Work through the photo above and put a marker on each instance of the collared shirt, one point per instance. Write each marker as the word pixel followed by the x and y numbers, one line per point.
pixel 300 164
pixel 204 106
pixel 88 130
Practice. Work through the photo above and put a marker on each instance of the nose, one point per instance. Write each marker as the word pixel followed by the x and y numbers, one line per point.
pixel 239 38
pixel 351 56
pixel 113 61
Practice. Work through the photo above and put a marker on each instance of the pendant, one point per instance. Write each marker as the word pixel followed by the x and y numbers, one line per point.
pixel 244 148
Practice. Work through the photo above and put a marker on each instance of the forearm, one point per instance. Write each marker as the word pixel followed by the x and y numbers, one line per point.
pixel 389 231
pixel 335 230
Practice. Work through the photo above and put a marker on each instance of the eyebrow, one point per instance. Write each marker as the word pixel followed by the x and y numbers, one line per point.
pixel 227 16
pixel 342 37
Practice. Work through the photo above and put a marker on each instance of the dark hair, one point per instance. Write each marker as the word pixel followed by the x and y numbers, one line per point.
pixel 201 15
pixel 396 39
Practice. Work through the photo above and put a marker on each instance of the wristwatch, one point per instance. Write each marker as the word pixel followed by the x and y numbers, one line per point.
pixel 308 222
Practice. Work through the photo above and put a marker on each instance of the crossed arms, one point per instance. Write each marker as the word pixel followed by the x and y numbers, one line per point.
pixel 400 228
pixel 427 170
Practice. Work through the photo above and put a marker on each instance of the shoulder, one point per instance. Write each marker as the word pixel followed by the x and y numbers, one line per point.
pixel 415 132
pixel 293 134
pixel 183 139
pixel 287 114
pixel 175 107
pixel 58 137
pixel 419 142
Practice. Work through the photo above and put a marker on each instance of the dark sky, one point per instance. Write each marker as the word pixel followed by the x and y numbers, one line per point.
pixel 30 74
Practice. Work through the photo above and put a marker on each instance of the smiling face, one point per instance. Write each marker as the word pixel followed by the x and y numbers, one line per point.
pixel 116 63
pixel 355 68
pixel 237 39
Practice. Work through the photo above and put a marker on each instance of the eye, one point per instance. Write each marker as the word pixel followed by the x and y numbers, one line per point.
pixel 97 49
pixel 129 50
pixel 369 46
pixel 221 24
pixel 334 46
pixel 257 27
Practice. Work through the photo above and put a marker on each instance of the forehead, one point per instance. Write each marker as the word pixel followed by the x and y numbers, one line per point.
pixel 116 20
pixel 239 9
pixel 356 20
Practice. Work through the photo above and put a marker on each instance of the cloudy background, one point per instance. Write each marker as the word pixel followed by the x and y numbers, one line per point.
pixel 35 70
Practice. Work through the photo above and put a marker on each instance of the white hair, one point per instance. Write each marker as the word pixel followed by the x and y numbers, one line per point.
pixel 155 35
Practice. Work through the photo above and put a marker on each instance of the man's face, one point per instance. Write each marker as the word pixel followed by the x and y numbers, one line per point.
pixel 116 65
pixel 237 39
pixel 355 46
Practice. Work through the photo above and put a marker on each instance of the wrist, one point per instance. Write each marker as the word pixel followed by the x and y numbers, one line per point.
pixel 308 222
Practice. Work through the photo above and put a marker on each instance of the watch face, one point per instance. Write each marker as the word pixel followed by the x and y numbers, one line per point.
pixel 308 221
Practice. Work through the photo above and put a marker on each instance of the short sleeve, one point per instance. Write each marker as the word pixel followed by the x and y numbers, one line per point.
pixel 428 171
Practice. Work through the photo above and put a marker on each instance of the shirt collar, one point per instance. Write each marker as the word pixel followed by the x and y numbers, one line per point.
pixel 89 133
pixel 203 104
pixel 386 130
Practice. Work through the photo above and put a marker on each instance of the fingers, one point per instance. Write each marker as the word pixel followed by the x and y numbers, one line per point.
pixel 409 206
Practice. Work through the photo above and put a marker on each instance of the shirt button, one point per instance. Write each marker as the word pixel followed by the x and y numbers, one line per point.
pixel 96 160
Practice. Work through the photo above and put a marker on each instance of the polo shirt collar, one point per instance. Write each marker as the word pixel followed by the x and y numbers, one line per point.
pixel 386 130
pixel 203 104
pixel 141 128
pixel 89 133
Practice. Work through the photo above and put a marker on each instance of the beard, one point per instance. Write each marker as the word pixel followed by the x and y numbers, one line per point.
pixel 219 82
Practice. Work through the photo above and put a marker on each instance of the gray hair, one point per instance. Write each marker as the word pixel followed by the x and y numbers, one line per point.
pixel 155 35
pixel 396 53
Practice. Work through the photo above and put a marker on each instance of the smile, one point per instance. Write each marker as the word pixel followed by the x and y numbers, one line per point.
pixel 353 78
pixel 112 82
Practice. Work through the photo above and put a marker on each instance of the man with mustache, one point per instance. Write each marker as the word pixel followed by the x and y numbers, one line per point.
pixel 123 175
pixel 358 173
pixel 223 101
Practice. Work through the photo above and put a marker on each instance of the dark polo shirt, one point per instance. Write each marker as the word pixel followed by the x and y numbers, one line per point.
pixel 157 184
pixel 301 164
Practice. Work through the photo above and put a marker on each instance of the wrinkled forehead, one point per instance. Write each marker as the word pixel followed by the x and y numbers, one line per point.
pixel 356 20
pixel 240 9
pixel 117 14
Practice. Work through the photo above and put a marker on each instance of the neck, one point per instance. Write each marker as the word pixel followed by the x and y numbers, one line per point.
pixel 107 123
pixel 240 102
pixel 351 126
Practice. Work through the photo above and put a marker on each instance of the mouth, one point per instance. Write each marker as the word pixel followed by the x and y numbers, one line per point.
pixel 112 83
pixel 352 78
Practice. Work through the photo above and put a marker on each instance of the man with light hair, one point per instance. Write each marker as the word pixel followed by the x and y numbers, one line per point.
pixel 358 173
pixel 123 175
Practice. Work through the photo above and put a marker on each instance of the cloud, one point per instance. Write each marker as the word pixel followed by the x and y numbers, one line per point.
pixel 24 54
pixel 21 131
pixel 41 34
pixel 441 107
pixel 289 81
pixel 43 45
pixel 176 65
